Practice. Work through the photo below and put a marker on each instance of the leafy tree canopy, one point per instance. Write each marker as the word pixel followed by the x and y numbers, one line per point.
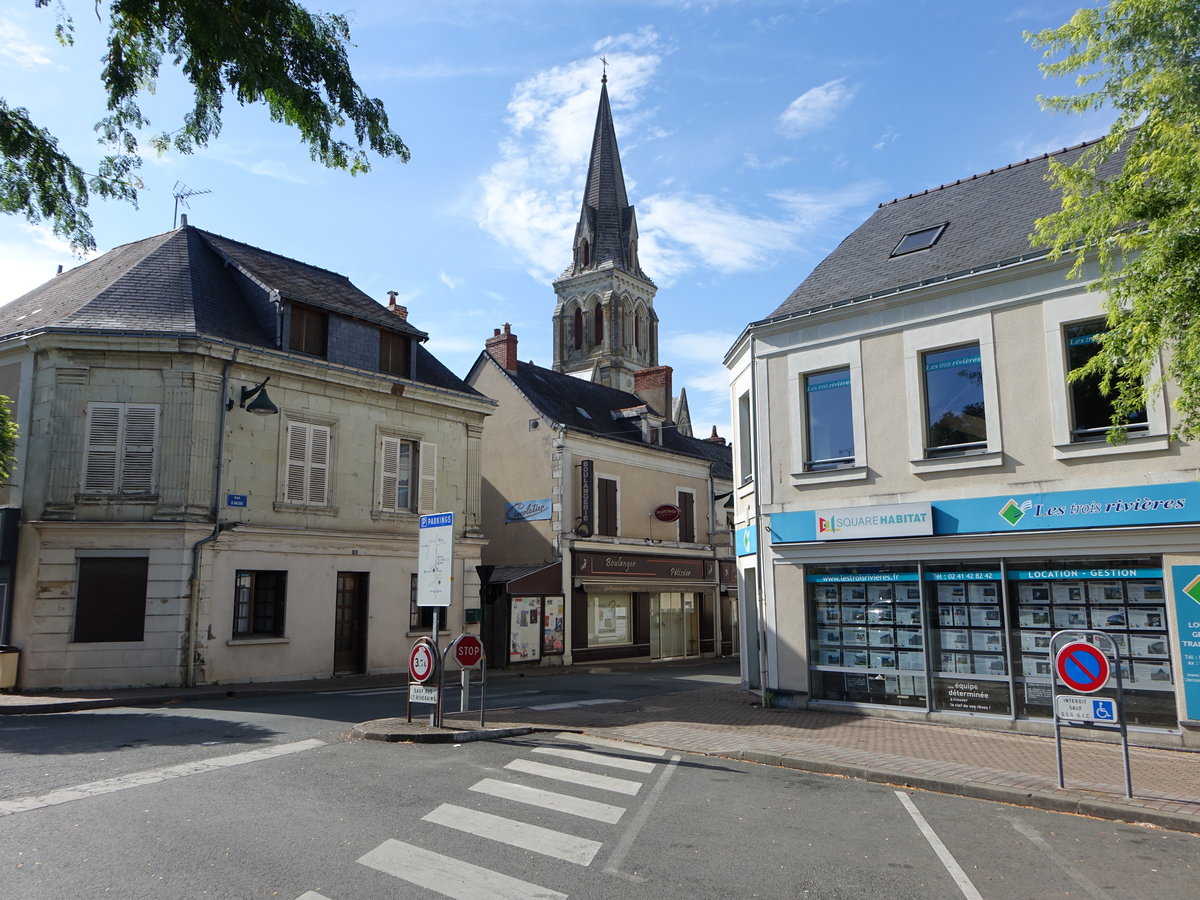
pixel 8 438
pixel 1141 58
pixel 257 51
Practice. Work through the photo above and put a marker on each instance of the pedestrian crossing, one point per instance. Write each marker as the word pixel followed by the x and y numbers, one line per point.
pixel 529 788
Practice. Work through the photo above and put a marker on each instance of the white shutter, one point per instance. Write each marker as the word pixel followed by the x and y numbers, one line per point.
pixel 318 465
pixel 141 436
pixel 297 457
pixel 427 498
pixel 389 471
pixel 103 431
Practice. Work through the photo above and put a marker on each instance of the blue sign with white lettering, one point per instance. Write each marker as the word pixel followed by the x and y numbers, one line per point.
pixel 238 500
pixel 1186 580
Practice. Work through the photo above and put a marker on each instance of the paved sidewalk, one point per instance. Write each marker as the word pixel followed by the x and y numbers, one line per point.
pixel 728 722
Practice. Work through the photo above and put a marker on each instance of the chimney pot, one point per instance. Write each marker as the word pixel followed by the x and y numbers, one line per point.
pixel 502 347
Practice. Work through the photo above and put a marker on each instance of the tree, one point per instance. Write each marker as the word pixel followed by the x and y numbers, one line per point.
pixel 1132 200
pixel 8 438
pixel 257 51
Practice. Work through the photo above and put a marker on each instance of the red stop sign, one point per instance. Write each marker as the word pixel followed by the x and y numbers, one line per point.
pixel 468 651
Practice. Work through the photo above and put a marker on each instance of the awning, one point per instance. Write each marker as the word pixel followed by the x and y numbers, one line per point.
pixel 540 578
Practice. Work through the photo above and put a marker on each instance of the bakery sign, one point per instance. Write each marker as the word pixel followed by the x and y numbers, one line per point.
pixel 632 565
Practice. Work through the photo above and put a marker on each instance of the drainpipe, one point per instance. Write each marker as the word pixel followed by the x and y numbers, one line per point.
pixel 197 548
pixel 760 595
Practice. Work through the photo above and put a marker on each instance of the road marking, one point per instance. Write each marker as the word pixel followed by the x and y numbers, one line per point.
pixel 1063 863
pixel 575 704
pixel 952 866
pixel 575 806
pixel 574 776
pixel 451 877
pixel 599 759
pixel 712 679
pixel 152 776
pixel 639 820
pixel 362 692
pixel 623 746
pixel 545 841
pixel 312 895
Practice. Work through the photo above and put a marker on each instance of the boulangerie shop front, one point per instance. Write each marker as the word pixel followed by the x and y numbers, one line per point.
pixel 933 608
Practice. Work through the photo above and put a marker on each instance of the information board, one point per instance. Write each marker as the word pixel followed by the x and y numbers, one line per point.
pixel 435 560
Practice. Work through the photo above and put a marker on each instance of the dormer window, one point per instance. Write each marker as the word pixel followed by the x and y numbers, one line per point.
pixel 309 331
pixel 585 254
pixel 921 239
pixel 395 353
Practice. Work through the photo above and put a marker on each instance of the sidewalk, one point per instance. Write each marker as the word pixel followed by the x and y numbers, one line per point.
pixel 727 722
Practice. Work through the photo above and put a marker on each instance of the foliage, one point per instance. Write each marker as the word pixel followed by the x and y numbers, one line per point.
pixel 1132 201
pixel 8 438
pixel 272 52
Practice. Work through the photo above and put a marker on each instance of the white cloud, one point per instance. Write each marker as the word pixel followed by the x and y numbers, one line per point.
pixel 248 158
pixel 816 108
pixel 450 281
pixel 16 46
pixel 888 136
pixel 29 257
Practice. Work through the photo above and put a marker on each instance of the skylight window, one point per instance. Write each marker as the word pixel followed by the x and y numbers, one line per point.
pixel 919 240
pixel 583 412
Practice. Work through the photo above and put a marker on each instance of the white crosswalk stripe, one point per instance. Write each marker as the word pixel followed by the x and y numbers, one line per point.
pixel 599 759
pixel 545 841
pixel 451 877
pixel 575 704
pixel 574 776
pixel 575 806
pixel 623 746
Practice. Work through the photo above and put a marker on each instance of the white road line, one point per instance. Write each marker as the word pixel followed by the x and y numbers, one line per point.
pixel 152 776
pixel 623 746
pixel 545 841
pixel 575 806
pixel 599 759
pixel 451 877
pixel 312 895
pixel 639 820
pixel 1076 874
pixel 574 776
pixel 363 692
pixel 952 866
pixel 574 704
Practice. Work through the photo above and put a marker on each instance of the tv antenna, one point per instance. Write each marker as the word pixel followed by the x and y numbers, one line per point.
pixel 181 193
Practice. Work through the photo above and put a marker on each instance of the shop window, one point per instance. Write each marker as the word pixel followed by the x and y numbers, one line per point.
pixel 828 421
pixel 110 599
pixel 956 420
pixel 969 651
pixel 610 619
pixel 259 601
pixel 1091 409
pixel 686 501
pixel 606 502
pixel 309 331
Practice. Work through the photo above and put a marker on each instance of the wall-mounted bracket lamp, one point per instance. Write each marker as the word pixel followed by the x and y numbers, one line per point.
pixel 255 400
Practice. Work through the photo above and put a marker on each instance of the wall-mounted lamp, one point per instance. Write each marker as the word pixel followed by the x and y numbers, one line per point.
pixel 255 400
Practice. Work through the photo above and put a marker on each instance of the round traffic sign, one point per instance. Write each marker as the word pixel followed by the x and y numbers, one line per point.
pixel 468 651
pixel 1082 667
pixel 421 663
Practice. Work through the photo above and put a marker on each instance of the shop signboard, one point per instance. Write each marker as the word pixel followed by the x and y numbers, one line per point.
pixel 747 541
pixel 856 522
pixel 971 695
pixel 1187 614
pixel 636 565
pixel 528 511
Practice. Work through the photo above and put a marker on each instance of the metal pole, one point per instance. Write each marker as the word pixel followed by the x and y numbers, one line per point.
pixel 464 701
pixel 482 688
pixel 435 717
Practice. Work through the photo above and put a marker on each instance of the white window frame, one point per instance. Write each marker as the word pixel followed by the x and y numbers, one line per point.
pixel 847 355
pixel 120 454
pixel 1064 311
pixel 308 465
pixel 943 336
pixel 422 484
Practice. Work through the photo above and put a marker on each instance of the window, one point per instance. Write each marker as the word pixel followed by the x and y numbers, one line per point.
pixel 606 496
pixel 308 449
pixel 110 599
pixel 119 457
pixel 954 405
pixel 577 325
pixel 258 604
pixel 598 335
pixel 309 331
pixel 394 353
pixel 407 476
pixel 828 420
pixel 420 618
pixel 1091 411
pixel 686 501
pixel 919 240
pixel 745 471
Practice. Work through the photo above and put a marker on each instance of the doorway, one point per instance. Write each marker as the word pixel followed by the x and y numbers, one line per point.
pixel 350 624
pixel 674 626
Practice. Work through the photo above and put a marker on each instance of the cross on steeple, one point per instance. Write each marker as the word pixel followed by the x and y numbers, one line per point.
pixel 604 75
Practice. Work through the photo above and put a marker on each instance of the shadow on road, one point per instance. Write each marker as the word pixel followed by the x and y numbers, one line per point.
pixel 90 733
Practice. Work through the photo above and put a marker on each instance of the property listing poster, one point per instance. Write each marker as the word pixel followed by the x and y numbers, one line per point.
pixel 1187 613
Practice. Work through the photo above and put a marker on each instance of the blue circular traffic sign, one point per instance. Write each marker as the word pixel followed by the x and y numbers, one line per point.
pixel 1082 667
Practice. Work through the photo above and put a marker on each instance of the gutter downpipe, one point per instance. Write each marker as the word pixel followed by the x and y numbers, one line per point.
pixel 760 596
pixel 197 548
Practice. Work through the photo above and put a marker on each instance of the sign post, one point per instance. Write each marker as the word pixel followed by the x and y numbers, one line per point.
pixel 435 568
pixel 422 667
pixel 1083 662
pixel 468 653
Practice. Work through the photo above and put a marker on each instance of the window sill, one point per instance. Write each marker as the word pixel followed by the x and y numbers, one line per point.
pixel 97 499
pixel 830 476
pixel 1137 443
pixel 305 508
pixel 400 515
pixel 245 641
pixel 969 460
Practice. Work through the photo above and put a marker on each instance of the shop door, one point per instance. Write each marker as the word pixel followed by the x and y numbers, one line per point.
pixel 674 626
pixel 350 624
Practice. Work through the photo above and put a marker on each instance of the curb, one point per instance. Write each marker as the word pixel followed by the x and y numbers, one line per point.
pixel 394 735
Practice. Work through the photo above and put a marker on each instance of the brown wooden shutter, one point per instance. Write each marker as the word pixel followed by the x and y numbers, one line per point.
pixel 110 599
pixel 606 490
pixel 687 517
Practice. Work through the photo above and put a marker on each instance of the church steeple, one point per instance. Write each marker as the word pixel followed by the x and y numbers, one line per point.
pixel 605 325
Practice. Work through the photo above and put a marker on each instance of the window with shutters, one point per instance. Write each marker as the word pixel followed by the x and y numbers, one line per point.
pixel 686 501
pixel 606 504
pixel 407 475
pixel 308 458
pixel 394 353
pixel 119 456
pixel 309 331
pixel 110 599
pixel 259 599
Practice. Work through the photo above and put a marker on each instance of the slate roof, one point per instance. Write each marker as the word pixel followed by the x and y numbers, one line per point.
pixel 989 219
pixel 190 282
pixel 588 407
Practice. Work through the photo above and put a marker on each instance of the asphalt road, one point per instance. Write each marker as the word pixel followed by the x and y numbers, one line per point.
pixel 263 797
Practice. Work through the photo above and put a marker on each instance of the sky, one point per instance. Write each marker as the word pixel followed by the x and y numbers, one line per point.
pixel 754 136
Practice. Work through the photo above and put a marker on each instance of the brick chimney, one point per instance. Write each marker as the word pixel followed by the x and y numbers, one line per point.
pixel 653 386
pixel 502 347
pixel 401 311
pixel 715 438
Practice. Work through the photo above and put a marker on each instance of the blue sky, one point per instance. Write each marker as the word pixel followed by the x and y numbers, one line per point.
pixel 754 135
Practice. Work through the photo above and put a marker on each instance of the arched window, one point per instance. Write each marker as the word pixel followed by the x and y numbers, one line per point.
pixel 585 253
pixel 598 334
pixel 637 330
pixel 577 327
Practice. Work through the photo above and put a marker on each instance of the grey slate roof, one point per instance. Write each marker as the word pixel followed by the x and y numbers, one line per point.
pixel 989 216
pixel 190 282
pixel 588 407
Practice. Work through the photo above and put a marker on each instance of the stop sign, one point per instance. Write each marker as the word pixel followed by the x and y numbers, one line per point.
pixel 468 651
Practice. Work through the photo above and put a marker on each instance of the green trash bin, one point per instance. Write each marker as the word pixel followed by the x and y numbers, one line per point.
pixel 9 657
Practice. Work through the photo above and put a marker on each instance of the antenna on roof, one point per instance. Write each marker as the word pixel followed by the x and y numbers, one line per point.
pixel 181 192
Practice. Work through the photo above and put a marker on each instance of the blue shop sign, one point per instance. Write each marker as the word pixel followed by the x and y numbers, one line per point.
pixel 1186 580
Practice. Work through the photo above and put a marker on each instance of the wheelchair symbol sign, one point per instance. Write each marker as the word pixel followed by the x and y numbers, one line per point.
pixel 1086 709
pixel 1104 710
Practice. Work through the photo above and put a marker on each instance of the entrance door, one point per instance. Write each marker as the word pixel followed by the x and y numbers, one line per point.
pixel 350 624
pixel 674 626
